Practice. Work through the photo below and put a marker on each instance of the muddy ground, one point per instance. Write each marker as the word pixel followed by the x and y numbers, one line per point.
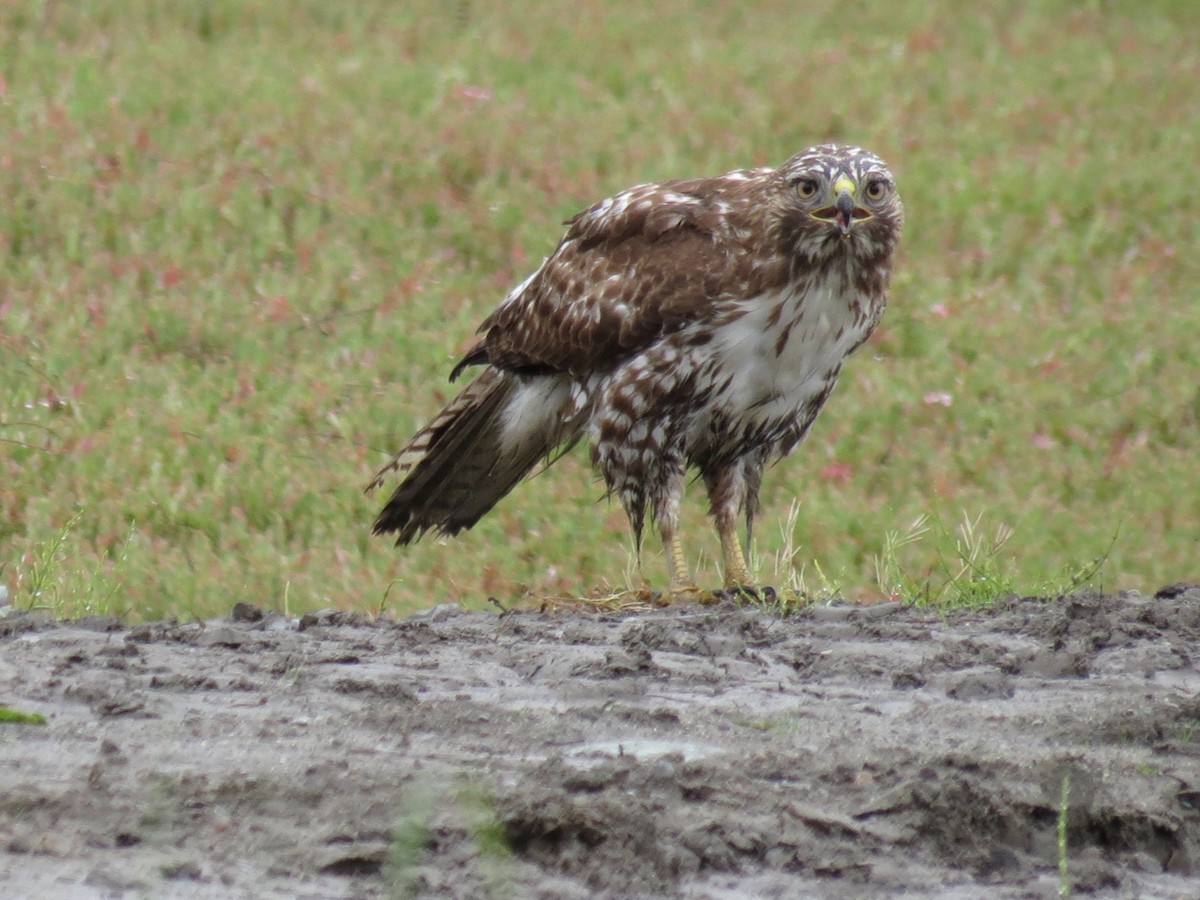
pixel 700 752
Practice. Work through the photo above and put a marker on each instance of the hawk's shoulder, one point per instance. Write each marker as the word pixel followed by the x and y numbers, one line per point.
pixel 629 269
pixel 652 211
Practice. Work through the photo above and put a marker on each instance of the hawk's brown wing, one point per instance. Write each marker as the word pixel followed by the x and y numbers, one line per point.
pixel 629 269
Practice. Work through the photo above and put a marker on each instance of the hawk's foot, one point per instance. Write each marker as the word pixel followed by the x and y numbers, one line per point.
pixel 689 593
pixel 748 593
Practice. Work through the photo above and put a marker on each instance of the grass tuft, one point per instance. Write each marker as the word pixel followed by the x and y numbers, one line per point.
pixel 54 577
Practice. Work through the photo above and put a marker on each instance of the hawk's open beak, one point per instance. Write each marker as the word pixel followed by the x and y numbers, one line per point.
pixel 845 211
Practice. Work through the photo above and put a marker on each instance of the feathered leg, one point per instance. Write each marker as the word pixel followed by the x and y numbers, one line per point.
pixel 654 479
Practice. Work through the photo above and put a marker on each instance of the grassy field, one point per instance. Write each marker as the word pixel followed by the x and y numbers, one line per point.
pixel 241 244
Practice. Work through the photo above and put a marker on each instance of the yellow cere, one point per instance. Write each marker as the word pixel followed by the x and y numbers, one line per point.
pixel 844 183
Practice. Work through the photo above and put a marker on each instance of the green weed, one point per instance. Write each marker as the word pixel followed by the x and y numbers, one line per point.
pixel 1064 868
pixel 410 839
pixel 52 577
pixel 15 717
pixel 969 565
pixel 473 809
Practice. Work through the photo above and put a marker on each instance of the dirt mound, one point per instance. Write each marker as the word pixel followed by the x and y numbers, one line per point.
pixel 704 752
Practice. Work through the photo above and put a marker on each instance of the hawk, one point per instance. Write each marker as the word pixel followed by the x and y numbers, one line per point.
pixel 688 324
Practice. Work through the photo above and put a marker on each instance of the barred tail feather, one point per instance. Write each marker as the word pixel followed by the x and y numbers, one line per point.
pixel 473 453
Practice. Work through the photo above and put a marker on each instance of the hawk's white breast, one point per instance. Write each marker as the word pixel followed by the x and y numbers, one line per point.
pixel 783 351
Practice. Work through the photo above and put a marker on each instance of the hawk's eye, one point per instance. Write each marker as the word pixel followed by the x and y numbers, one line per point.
pixel 806 188
pixel 876 189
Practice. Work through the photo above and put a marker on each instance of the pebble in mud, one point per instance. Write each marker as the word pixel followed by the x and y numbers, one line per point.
pixel 981 685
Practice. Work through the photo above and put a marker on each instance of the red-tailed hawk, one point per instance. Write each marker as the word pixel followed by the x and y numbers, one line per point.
pixel 697 323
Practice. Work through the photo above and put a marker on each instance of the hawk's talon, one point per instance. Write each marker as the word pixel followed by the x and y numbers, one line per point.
pixel 741 592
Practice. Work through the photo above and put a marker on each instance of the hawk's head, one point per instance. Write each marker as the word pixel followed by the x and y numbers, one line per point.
pixel 837 198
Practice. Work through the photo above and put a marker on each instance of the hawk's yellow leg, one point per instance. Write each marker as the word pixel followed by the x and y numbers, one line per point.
pixel 682 586
pixel 737 573
pixel 680 576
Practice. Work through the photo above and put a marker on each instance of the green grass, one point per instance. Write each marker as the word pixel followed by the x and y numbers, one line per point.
pixel 241 244
pixel 16 717
pixel 1064 861
pixel 472 808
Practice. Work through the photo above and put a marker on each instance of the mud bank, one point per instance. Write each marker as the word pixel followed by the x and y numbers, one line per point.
pixel 699 752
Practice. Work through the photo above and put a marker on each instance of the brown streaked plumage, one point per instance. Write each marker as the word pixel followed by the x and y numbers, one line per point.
pixel 684 324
